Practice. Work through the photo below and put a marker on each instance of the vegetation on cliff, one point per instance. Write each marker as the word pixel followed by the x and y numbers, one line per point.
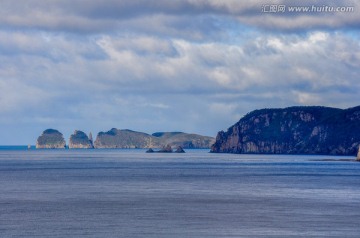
pixel 79 140
pixel 51 139
pixel 294 130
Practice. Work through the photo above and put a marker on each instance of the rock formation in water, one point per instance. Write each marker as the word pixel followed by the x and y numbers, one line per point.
pixel 294 130
pixel 358 155
pixel 79 140
pixel 116 138
pixel 179 149
pixel 51 139
pixel 166 149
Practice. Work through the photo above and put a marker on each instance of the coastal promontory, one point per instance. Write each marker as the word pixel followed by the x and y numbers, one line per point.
pixel 51 139
pixel 293 130
pixel 79 140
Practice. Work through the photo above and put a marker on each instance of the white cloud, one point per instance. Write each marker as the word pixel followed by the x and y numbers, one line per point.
pixel 190 65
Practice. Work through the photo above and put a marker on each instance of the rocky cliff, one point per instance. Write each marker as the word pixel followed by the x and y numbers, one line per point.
pixel 51 139
pixel 79 140
pixel 294 130
pixel 116 138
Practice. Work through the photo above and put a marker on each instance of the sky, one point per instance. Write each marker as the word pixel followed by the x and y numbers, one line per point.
pixel 196 66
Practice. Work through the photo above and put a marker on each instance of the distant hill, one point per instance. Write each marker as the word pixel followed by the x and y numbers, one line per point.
pixel 185 140
pixel 293 130
pixel 116 138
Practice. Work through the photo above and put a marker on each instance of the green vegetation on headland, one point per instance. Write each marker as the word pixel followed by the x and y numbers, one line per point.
pixel 293 130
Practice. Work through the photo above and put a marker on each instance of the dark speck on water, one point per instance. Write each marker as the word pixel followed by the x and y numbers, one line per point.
pixel 130 193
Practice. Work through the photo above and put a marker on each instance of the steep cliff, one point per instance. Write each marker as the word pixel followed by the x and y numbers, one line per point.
pixel 79 140
pixel 294 130
pixel 116 138
pixel 50 139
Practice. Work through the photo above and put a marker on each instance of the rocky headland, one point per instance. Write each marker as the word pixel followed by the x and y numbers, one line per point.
pixel 51 139
pixel 79 140
pixel 293 130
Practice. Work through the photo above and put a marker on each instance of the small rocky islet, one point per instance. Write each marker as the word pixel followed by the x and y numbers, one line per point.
pixel 79 140
pixel 51 139
pixel 167 149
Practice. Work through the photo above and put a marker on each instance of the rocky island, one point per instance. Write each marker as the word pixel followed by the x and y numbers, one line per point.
pixel 293 130
pixel 79 140
pixel 116 138
pixel 51 139
pixel 124 139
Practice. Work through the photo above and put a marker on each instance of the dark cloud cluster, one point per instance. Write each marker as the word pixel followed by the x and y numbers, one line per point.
pixel 160 16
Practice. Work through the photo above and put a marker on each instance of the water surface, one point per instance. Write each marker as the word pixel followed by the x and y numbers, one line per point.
pixel 129 193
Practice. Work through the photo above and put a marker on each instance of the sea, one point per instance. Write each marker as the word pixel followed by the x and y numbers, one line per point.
pixel 130 193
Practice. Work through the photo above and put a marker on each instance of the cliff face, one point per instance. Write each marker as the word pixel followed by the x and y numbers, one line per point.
pixel 116 138
pixel 50 139
pixel 79 140
pixel 294 130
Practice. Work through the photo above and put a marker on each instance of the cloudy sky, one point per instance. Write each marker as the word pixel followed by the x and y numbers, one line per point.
pixel 168 65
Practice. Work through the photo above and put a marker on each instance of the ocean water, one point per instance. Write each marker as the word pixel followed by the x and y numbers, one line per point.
pixel 128 193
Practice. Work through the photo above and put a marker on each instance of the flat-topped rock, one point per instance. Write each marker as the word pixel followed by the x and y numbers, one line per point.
pixel 51 139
